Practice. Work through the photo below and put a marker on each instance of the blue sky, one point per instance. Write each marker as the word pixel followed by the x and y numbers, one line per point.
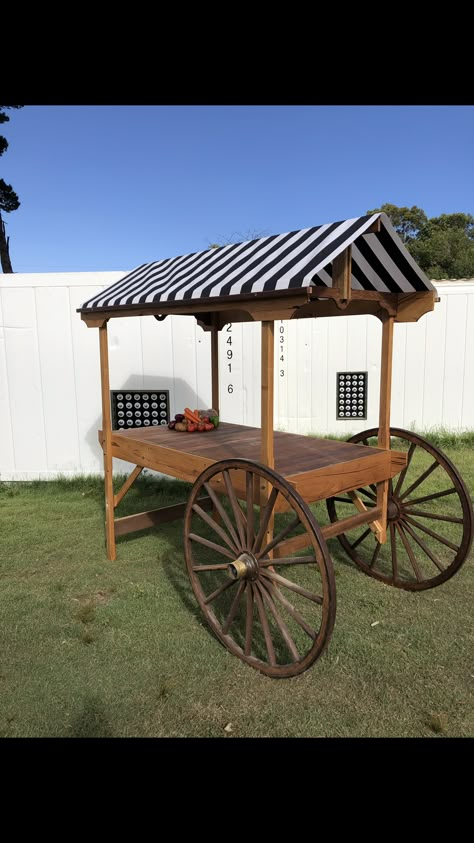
pixel 111 187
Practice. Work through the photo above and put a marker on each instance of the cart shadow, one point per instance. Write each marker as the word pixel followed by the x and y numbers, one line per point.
pixel 181 394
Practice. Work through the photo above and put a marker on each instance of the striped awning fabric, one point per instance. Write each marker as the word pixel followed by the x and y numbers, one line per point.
pixel 280 262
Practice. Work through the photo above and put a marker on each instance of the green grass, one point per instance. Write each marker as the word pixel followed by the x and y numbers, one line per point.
pixel 441 437
pixel 98 648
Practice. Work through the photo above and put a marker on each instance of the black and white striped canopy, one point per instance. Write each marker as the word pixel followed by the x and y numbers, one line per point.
pixel 277 263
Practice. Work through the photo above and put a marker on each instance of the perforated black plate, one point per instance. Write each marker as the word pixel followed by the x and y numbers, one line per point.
pixel 351 395
pixel 139 408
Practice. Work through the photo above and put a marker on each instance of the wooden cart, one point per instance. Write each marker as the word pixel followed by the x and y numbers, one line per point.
pixel 256 555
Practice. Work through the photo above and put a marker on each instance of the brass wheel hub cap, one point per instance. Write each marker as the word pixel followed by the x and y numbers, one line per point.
pixel 244 567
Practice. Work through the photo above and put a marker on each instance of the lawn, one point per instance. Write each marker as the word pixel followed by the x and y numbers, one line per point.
pixel 98 648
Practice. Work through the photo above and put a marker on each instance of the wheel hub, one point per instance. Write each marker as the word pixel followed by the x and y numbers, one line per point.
pixel 393 510
pixel 244 567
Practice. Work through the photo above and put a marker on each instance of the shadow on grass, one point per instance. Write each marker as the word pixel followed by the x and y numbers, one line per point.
pixel 91 722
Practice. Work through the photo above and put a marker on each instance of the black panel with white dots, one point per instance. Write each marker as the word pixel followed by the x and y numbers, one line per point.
pixel 139 408
pixel 351 395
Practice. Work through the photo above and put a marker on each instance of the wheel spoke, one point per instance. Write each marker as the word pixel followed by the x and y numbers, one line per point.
pixel 431 533
pixel 240 520
pixel 361 538
pixel 279 622
pixel 393 544
pixel 202 568
pixel 368 494
pixel 451 491
pixel 420 480
pixel 219 590
pixel 422 514
pixel 249 620
pixel 212 545
pixel 223 514
pixel 233 608
pixel 375 554
pixel 402 475
pixel 423 546
pixel 410 552
pixel 264 519
pixel 266 629
pixel 298 589
pixel 287 560
pixel 278 634
pixel 413 561
pixel 250 513
pixel 343 500
pixel 276 593
pixel 279 537
pixel 214 526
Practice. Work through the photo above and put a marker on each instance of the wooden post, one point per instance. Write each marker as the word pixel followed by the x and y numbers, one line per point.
pixel 215 362
pixel 107 443
pixel 267 454
pixel 341 273
pixel 384 416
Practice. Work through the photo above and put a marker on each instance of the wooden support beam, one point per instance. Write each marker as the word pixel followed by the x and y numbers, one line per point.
pixel 346 524
pixel 215 361
pixel 278 302
pixel 267 452
pixel 290 546
pixel 359 504
pixel 341 273
pixel 144 520
pixel 126 486
pixel 107 442
pixel 384 417
pixel 385 384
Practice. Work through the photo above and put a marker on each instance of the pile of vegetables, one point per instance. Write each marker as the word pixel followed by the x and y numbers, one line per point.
pixel 191 421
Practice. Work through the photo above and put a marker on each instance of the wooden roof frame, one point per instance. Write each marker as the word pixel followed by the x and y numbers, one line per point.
pixel 306 302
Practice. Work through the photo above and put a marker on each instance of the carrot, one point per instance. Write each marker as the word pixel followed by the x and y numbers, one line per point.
pixel 188 414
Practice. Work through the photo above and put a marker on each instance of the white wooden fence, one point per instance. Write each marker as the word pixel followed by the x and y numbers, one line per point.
pixel 50 404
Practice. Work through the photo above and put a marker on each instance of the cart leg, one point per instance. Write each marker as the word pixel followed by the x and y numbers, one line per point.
pixel 215 382
pixel 107 443
pixel 384 417
pixel 109 508
pixel 267 454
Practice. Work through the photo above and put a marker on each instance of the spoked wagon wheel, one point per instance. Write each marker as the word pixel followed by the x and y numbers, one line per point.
pixel 430 518
pixel 271 607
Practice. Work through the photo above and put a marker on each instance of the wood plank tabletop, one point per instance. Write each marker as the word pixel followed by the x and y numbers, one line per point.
pixel 294 453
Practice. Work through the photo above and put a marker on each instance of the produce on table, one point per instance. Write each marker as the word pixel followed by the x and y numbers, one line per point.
pixel 191 421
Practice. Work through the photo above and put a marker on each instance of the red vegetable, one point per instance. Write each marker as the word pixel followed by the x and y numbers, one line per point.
pixel 208 426
pixel 192 428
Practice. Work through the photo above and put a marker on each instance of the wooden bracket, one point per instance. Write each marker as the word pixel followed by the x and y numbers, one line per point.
pixel 126 486
pixel 94 321
pixel 359 504
pixel 374 228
